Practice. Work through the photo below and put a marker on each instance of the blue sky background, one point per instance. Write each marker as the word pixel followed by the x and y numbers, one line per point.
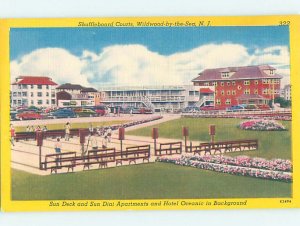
pixel 162 39
pixel 110 56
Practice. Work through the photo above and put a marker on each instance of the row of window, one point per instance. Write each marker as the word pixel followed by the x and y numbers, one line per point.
pixel 24 94
pixel 246 82
pixel 248 91
pixel 227 102
pixel 38 102
pixel 33 86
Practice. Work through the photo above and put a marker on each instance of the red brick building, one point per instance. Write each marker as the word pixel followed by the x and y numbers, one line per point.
pixel 239 85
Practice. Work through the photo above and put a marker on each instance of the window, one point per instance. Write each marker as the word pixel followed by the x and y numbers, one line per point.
pixel 53 101
pixel 216 92
pixel 233 83
pixel 24 86
pixel 233 92
pixel 239 87
pixel 32 103
pixel 247 91
pixel 15 102
pixel 47 101
pixel 206 83
pixel 14 94
pixel 20 86
pixel 271 72
pixel 247 82
pixel 265 91
pixel 31 94
pixel 218 101
pixel 222 92
pixel 32 86
pixel 39 94
pixel 228 83
pixel 47 94
pixel 256 91
pixel 225 74
pixel 40 102
pixel 47 86
pixel 228 92
pixel 256 82
pixel 39 86
pixel 222 83
pixel 228 101
pixel 24 94
pixel 215 83
pixel 19 94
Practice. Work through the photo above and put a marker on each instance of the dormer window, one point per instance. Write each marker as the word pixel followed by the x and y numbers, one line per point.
pixel 271 72
pixel 225 74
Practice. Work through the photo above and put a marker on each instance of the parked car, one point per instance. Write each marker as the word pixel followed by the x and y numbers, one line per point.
pixel 28 115
pixel 86 113
pixel 208 108
pixel 63 113
pixel 13 115
pixel 101 110
pixel 264 107
pixel 145 111
pixel 190 109
pixel 251 107
pixel 236 108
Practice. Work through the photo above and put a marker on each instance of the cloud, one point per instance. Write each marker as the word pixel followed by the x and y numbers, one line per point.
pixel 136 65
pixel 57 63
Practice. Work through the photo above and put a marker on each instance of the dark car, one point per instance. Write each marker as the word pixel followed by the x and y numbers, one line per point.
pixel 190 109
pixel 236 108
pixel 86 113
pixel 63 113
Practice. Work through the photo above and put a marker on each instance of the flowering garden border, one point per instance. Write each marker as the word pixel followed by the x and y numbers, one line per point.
pixel 261 125
pixel 185 160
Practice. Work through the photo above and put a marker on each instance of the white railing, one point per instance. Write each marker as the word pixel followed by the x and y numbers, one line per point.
pixel 142 99
pixel 203 100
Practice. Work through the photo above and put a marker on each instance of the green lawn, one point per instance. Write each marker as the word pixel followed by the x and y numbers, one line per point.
pixel 146 181
pixel 74 125
pixel 272 144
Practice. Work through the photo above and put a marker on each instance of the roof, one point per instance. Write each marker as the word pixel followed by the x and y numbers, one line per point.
pixel 70 86
pixel 206 90
pixel 247 72
pixel 89 90
pixel 34 80
pixel 250 96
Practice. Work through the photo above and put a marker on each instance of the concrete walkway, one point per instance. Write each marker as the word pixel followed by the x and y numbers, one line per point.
pixel 25 154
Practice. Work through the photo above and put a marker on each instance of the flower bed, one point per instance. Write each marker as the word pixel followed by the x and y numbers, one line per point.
pixel 241 165
pixel 262 125
pixel 246 161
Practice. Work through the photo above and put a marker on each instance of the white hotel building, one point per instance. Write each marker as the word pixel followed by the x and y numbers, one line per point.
pixel 33 91
pixel 170 98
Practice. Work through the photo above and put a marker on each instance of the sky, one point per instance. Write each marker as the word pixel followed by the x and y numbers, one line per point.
pixel 143 56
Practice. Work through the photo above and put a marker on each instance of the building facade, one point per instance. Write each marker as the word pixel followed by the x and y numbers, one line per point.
pixel 36 91
pixel 286 92
pixel 239 85
pixel 157 98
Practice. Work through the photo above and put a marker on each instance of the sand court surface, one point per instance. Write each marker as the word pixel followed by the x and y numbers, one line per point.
pixel 25 154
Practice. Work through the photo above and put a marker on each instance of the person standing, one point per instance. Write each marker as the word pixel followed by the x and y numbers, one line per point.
pixel 67 131
pixel 94 142
pixel 57 148
pixel 109 133
pixel 45 129
pixel 104 142
pixel 27 129
pixel 91 129
pixel 12 134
